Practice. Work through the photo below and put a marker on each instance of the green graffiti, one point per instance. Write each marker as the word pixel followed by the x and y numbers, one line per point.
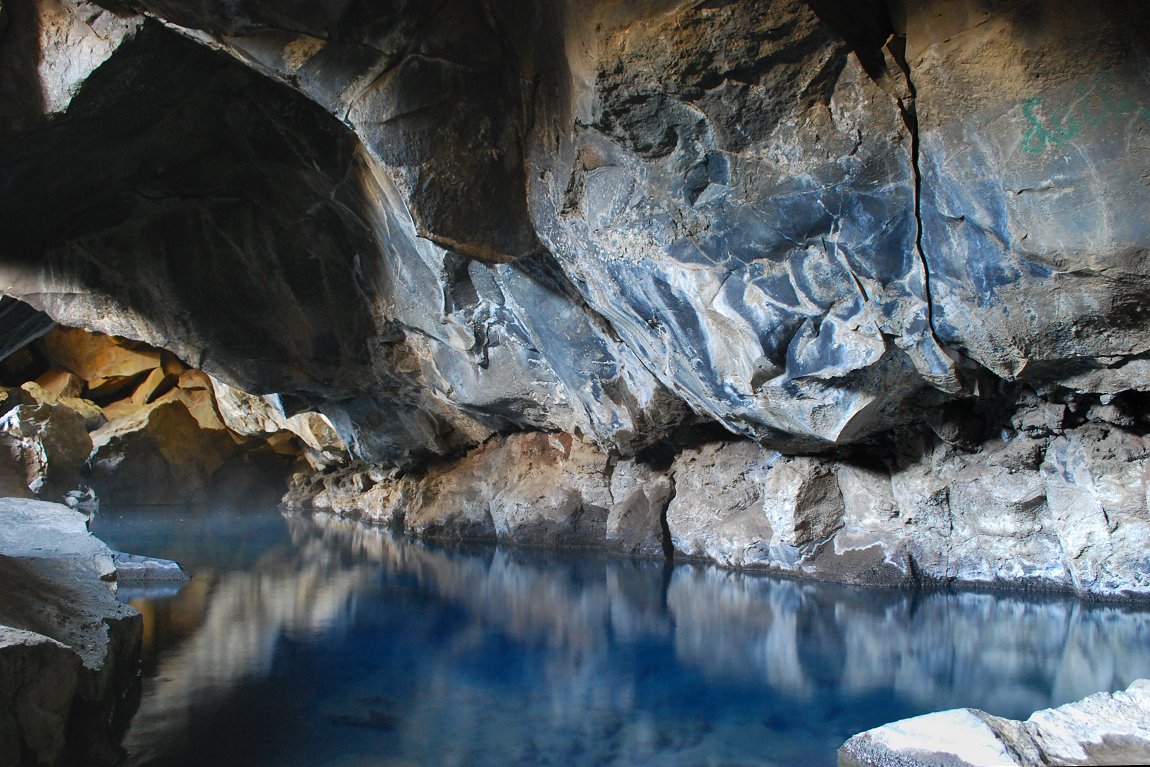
pixel 1091 105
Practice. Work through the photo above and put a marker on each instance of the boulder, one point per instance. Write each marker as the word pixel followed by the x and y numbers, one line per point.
pixel 1106 728
pixel 94 416
pixel 61 383
pixel 51 443
pixel 105 363
pixel 261 416
pixel 136 568
pixel 60 617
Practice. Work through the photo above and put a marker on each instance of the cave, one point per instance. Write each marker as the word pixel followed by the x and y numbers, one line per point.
pixel 842 304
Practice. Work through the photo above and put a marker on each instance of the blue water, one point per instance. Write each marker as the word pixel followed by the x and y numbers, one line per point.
pixel 315 641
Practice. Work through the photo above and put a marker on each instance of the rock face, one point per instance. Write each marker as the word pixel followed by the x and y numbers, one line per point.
pixel 1048 506
pixel 1107 728
pixel 143 428
pixel 534 489
pixel 69 651
pixel 871 237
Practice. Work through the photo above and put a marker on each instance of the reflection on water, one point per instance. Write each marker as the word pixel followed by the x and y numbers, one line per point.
pixel 316 641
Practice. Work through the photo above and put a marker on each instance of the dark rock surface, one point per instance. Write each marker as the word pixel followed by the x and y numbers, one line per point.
pixel 872 237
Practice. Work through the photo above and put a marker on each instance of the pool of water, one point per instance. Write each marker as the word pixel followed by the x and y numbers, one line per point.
pixel 316 641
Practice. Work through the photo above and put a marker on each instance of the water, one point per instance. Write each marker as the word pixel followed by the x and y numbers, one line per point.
pixel 319 642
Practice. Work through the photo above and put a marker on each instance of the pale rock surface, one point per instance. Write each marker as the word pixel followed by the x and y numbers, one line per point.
pixel 258 416
pixel 1105 728
pixel 58 584
pixel 535 489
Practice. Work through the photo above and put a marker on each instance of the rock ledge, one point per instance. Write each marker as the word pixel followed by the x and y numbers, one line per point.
pixel 1106 728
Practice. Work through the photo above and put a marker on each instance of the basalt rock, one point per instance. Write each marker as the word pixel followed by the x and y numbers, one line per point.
pixel 1047 503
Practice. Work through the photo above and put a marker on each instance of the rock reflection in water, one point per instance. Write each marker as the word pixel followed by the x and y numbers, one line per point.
pixel 353 647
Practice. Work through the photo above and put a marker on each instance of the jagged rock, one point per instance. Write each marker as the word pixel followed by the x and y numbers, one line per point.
pixel 11 398
pixel 58 585
pixel 51 443
pixel 93 415
pixel 253 416
pixel 1032 142
pixel 61 383
pixel 536 489
pixel 157 456
pixel 50 49
pixel 736 195
pixel 1107 728
pixel 639 497
pixel 106 364
pixel 742 505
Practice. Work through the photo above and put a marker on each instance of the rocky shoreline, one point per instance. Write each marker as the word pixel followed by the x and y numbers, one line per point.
pixel 69 651
pixel 1045 496
pixel 1105 728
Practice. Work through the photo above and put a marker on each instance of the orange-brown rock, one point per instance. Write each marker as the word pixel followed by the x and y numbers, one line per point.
pixel 93 415
pixel 61 383
pixel 157 456
pixel 103 361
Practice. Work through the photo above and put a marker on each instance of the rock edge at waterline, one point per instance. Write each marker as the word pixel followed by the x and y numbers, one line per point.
pixel 69 651
pixel 1106 728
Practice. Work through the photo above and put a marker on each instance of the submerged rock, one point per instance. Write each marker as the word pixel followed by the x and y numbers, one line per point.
pixel 136 568
pixel 1106 728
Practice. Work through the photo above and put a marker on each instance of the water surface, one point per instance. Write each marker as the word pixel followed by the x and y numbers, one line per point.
pixel 316 641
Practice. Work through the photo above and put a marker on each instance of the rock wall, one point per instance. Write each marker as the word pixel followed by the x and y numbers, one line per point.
pixel 897 245
pixel 1053 501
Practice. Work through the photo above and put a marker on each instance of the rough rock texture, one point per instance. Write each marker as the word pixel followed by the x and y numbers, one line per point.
pixel 535 489
pixel 1039 504
pixel 852 232
pixel 143 428
pixel 59 616
pixel 51 443
pixel 1107 728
